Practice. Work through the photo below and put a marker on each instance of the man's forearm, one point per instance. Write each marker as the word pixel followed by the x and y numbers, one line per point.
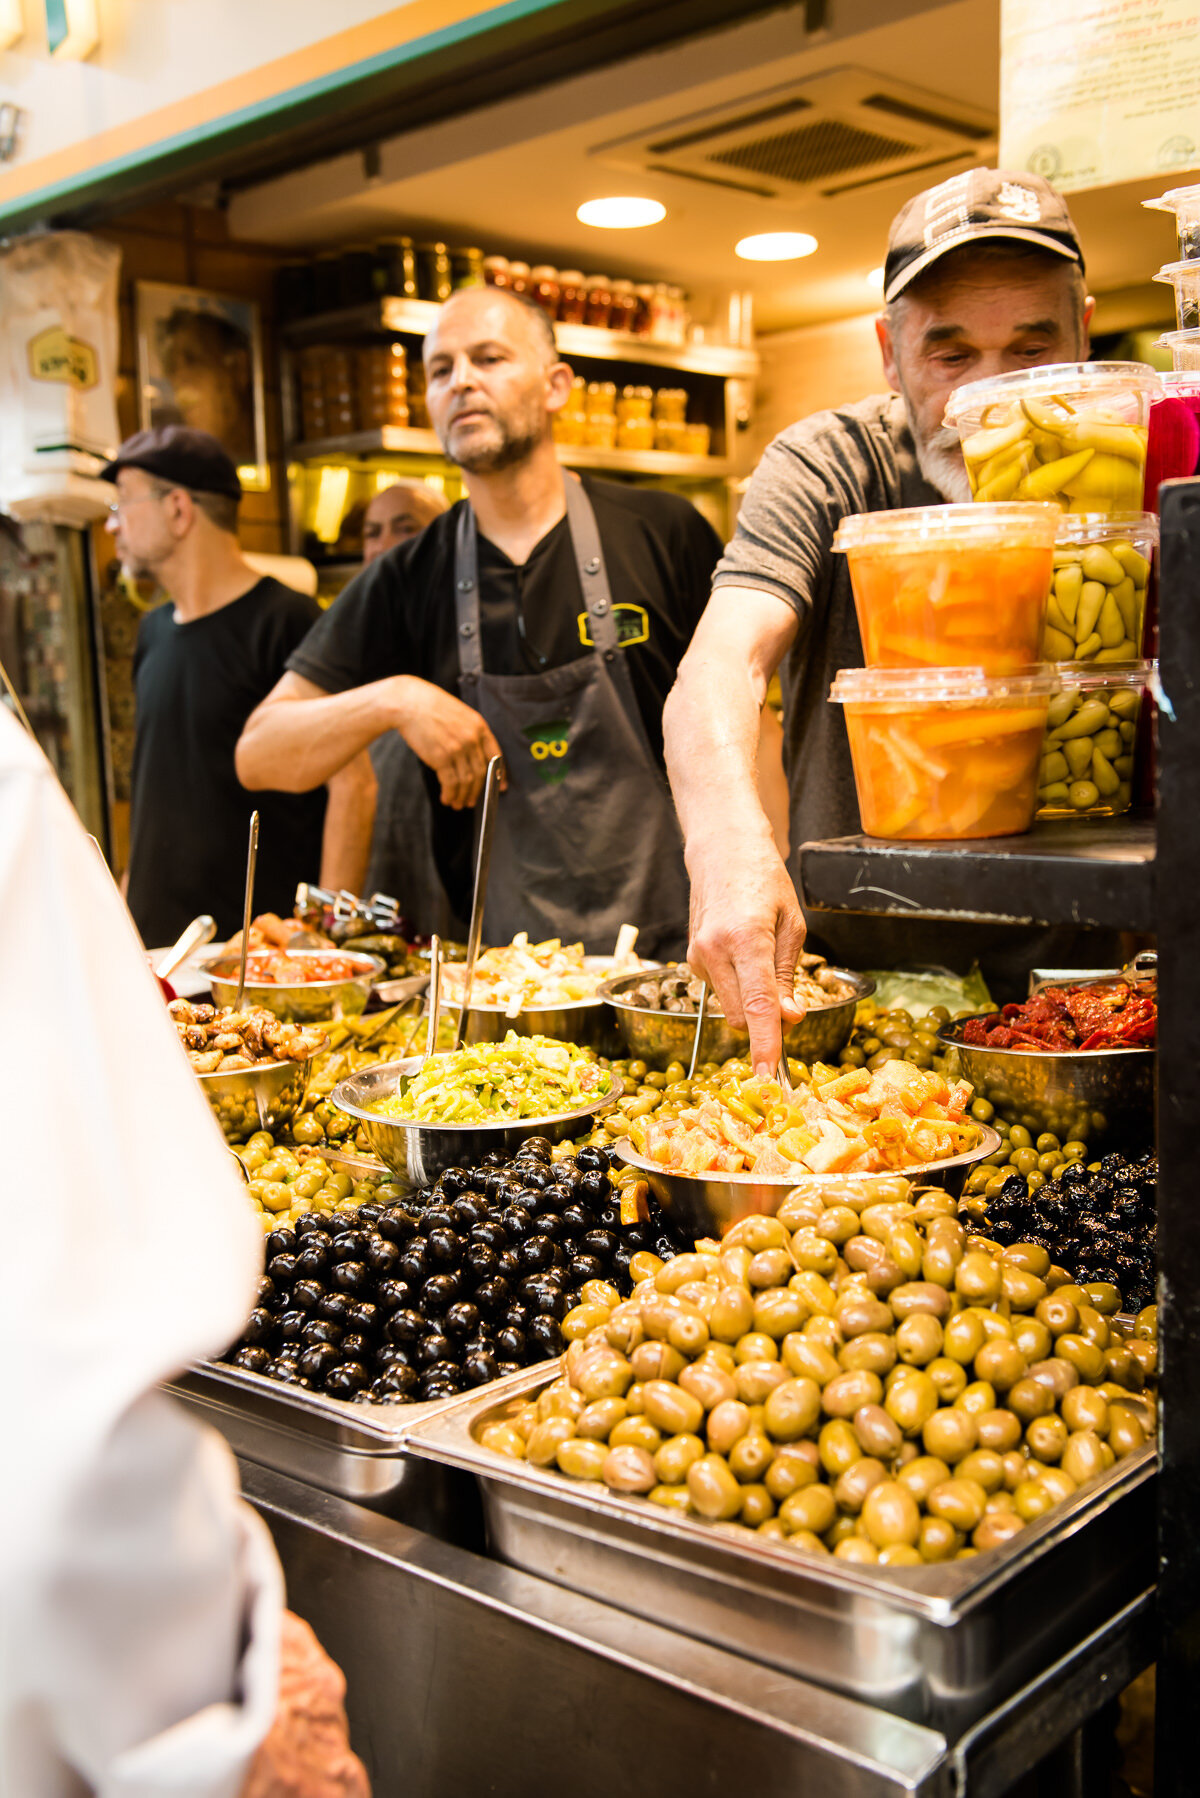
pixel 349 822
pixel 710 740
pixel 295 744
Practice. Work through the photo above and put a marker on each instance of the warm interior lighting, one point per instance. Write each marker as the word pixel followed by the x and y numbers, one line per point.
pixel 875 276
pixel 621 212
pixel 331 503
pixel 72 29
pixel 776 246
pixel 385 479
pixel 12 23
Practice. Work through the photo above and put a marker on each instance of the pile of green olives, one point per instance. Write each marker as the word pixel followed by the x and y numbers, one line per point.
pixel 284 1185
pixel 857 1376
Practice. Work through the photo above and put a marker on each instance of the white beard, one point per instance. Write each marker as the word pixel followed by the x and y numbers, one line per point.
pixel 939 457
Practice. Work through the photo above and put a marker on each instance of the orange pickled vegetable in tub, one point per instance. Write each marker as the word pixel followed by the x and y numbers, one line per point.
pixel 958 761
pixel 950 604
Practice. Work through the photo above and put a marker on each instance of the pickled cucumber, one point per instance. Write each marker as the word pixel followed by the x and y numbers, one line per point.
pixel 1086 768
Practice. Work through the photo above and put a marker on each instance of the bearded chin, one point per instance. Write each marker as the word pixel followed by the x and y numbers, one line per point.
pixel 940 461
pixel 512 447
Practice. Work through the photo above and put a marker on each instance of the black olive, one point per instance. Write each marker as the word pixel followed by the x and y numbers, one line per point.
pixel 366 1316
pixel 595 1188
pixel 527 1199
pixel 290 1325
pixel 591 1158
pixel 260 1326
pixel 454 1182
pixel 468 1211
pixel 547 1301
pixel 635 1237
pixel 516 1315
pixel 539 1147
pixel 550 1225
pixel 534 1177
pixel 536 1253
pixel 509 1262
pixel 280 1242
pixel 392 1295
pixel 481 1261
pixel 254 1360
pixel 314 1224
pixel 433 1348
pixel 395 1225
pixel 496 1180
pixel 349 1276
pixel 320 1329
pixel 492 1295
pixel 584 1267
pixel 599 1242
pixel 399 1381
pixel 336 1306
pixel 313 1259
pixel 413 1264
pixel 518 1223
pixel 545 1337
pixel 382 1255
pixel 392 1355
pixel 491 1233
pixel 351 1245
pixel 438 1292
pixel 494 1158
pixel 437 1218
pixel 510 1342
pixel 268 1295
pixel 461 1319
pixel 355 1346
pixel 577 1218
pixel 445 1248
pixel 479 1367
pixel 664 1246
pixel 316 1361
pixel 370 1214
pixel 307 1294
pixel 346 1380
pixel 405 1327
pixel 282 1269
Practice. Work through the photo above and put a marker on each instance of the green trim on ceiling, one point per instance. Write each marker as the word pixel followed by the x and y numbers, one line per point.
pixel 57 28
pixel 313 99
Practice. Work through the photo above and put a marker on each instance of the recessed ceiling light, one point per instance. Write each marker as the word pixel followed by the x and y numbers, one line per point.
pixel 776 246
pixel 875 276
pixel 621 212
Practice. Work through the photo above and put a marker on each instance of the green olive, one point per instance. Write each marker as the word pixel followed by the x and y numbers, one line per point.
pixel 581 1458
pixel 811 1508
pixel 795 1465
pixel 713 1490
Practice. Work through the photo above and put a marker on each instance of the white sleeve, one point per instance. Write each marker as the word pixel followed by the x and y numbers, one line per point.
pixel 154 1657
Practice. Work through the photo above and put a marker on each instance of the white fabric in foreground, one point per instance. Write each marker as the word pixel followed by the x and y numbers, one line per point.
pixel 131 1578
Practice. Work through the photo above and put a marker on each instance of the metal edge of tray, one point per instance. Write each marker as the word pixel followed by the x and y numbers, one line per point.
pixel 357 1451
pixel 940 1645
pixel 395 992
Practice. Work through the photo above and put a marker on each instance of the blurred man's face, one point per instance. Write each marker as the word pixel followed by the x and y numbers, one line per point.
pixel 395 515
pixel 969 326
pixel 491 382
pixel 144 540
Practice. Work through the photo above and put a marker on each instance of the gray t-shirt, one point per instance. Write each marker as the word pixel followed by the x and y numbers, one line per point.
pixel 858 459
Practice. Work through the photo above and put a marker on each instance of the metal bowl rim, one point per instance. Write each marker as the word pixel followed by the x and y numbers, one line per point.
pixel 625 1149
pixel 863 983
pixel 262 1067
pixel 412 1063
pixel 377 967
pixel 1085 1057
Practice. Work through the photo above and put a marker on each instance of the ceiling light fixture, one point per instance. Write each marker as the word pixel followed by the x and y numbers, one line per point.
pixel 621 212
pixel 12 23
pixel 72 29
pixel 776 246
pixel 875 276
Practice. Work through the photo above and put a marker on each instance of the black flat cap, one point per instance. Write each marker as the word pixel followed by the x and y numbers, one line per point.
pixel 184 457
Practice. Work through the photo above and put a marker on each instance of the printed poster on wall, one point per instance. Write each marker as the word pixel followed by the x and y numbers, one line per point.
pixel 1093 92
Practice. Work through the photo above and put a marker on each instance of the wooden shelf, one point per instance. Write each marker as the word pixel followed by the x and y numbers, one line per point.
pixel 397 440
pixel 412 318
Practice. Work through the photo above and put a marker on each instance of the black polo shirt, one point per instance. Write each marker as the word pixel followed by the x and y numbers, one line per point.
pixel 196 684
pixel 398 617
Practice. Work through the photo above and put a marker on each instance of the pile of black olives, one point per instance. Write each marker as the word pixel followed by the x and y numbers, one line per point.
pixel 1097 1221
pixel 392 1304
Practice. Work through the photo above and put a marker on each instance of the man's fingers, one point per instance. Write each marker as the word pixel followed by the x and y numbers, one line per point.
pixel 789 942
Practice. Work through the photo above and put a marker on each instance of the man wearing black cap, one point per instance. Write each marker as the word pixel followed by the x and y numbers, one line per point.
pixel 984 274
pixel 203 662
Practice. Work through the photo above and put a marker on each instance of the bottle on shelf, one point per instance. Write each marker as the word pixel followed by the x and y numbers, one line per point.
pixel 433 272
pixel 624 307
pixel 518 277
pixel 495 271
pixel 599 302
pixel 466 268
pixel 572 296
pixel 396 268
pixel 544 288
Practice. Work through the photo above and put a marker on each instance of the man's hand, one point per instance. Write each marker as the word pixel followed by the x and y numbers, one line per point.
pixel 307 1753
pixel 450 737
pixel 747 931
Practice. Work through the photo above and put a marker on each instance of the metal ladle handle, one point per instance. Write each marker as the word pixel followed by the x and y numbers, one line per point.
pixel 200 931
pixel 435 996
pixel 247 907
pixel 691 1073
pixel 483 863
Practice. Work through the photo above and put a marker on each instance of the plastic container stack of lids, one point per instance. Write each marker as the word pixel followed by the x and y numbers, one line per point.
pixel 1183 275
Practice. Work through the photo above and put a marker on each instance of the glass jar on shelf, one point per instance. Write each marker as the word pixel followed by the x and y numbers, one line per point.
pixel 382 385
pixel 635 433
pixel 356 275
pixel 544 288
pixel 643 318
pixel 600 430
pixel 572 296
pixel 624 307
pixel 670 405
pixel 697 440
pixel 495 271
pixel 466 268
pixel 569 426
pixel 601 399
pixel 670 434
pixel 599 302
pixel 518 277
pixel 396 268
pixel 635 403
pixel 433 272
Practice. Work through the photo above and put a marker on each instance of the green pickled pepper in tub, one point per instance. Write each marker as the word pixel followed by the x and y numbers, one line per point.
pixel 1086 767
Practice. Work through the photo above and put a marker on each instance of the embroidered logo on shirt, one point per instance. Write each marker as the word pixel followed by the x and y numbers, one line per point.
pixel 548 747
pixel 633 626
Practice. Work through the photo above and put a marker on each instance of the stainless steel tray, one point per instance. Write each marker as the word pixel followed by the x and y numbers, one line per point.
pixel 939 1645
pixel 357 1451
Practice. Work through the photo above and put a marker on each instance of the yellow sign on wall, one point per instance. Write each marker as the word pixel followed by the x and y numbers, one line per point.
pixel 54 355
pixel 1093 92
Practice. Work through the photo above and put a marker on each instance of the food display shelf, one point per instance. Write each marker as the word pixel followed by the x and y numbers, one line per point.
pixel 1099 875
pixel 570 1694
pixel 941 1645
pixel 404 441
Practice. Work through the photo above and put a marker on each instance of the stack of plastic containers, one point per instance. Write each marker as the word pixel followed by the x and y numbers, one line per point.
pixel 1079 432
pixel 1175 420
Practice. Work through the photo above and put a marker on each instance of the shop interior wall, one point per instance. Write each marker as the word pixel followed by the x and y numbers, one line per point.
pixel 809 369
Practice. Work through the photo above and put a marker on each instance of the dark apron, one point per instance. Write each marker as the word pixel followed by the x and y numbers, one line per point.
pixel 586 836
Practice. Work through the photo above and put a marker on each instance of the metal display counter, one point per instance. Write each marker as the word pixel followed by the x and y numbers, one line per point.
pixel 466 1676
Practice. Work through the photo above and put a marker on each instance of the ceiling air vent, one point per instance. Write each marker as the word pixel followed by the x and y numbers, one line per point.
pixel 843 128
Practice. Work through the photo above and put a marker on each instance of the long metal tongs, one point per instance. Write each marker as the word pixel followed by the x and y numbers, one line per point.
pixel 700 1010
pixel 435 996
pixel 247 907
pixel 483 863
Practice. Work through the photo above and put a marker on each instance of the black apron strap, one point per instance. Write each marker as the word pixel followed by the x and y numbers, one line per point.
pixel 466 594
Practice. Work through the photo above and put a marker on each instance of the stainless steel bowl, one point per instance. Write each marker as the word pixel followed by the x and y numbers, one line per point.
pixel 660 1037
pixel 418 1153
pixel 589 1023
pixel 1101 1096
pixel 261 1098
pixel 308 1002
pixel 709 1204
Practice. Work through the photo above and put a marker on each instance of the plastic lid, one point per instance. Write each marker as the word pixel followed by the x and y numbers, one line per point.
pixel 1181 380
pixel 544 271
pixel 911 687
pixel 1175 272
pixel 1097 527
pixel 912 527
pixel 1051 378
pixel 1080 675
pixel 1176 199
